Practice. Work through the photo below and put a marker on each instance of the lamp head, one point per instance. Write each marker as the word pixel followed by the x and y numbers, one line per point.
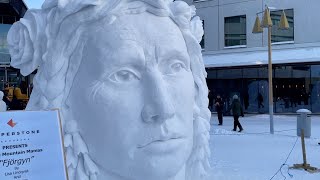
pixel 266 20
pixel 284 21
pixel 257 26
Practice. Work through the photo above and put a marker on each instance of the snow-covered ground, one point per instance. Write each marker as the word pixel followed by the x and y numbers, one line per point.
pixel 255 154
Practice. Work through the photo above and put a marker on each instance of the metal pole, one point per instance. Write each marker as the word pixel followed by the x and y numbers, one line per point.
pixel 303 149
pixel 270 81
pixel 6 77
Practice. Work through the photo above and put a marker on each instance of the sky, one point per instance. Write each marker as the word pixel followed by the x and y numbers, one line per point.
pixel 34 3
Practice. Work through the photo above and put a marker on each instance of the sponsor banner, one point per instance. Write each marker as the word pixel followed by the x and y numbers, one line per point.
pixel 31 146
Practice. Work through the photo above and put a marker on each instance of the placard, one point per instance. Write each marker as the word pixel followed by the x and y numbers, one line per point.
pixel 31 146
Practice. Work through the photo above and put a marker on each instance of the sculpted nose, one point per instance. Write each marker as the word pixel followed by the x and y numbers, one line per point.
pixel 158 105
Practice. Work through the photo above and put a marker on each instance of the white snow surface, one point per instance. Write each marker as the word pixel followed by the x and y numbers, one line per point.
pixel 255 154
pixel 279 56
pixel 304 111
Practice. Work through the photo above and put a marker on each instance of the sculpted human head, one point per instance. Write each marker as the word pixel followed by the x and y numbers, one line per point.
pixel 132 88
pixel 134 78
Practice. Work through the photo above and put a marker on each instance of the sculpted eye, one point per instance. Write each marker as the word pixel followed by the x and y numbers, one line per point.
pixel 176 67
pixel 124 76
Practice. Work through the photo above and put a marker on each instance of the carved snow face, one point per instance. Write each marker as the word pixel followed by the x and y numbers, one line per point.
pixel 133 98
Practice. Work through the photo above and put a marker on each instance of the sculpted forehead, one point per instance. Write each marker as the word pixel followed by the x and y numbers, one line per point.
pixel 147 30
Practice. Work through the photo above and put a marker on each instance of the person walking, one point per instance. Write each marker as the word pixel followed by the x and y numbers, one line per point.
pixel 237 111
pixel 219 109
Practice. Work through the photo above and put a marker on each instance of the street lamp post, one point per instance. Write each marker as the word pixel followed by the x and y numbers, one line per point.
pixel 270 80
pixel 258 28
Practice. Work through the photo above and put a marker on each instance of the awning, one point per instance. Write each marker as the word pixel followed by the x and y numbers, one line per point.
pixel 279 56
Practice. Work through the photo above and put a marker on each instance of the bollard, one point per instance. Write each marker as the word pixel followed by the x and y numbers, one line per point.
pixel 304 122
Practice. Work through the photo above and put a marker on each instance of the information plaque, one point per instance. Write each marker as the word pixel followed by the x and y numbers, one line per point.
pixel 31 146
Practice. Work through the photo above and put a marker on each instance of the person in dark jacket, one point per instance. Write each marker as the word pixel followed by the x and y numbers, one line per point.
pixel 237 111
pixel 5 98
pixel 219 108
pixel 15 104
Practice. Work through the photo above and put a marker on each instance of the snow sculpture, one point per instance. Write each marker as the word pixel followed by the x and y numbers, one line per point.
pixel 129 80
pixel 3 106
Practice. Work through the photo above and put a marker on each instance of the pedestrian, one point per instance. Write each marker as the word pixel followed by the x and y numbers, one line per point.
pixel 219 108
pixel 237 111
pixel 15 104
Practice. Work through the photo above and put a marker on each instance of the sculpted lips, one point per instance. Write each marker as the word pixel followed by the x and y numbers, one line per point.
pixel 159 141
pixel 163 144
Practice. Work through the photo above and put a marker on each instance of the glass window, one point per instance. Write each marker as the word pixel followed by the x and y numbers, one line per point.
pixel 211 73
pixel 4 52
pixel 295 86
pixel 251 73
pixel 202 40
pixel 235 31
pixel 279 35
pixel 315 88
pixel 263 72
pixel 7 19
pixel 300 71
pixel 229 74
pixel 282 71
pixel 292 87
pixel 255 93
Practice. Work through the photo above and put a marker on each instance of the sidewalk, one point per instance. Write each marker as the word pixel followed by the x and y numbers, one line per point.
pixel 255 154
pixel 261 124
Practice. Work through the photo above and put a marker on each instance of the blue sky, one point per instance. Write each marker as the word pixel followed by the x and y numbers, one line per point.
pixel 34 3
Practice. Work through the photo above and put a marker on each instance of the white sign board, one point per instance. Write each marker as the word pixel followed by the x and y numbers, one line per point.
pixel 31 146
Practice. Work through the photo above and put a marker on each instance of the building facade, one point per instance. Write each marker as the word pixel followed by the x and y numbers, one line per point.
pixel 236 59
pixel 10 12
pixel 16 87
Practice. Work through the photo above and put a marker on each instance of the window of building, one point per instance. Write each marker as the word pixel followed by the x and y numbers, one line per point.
pixel 295 86
pixel 235 31
pixel 202 40
pixel 7 19
pixel 4 51
pixel 315 88
pixel 279 35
